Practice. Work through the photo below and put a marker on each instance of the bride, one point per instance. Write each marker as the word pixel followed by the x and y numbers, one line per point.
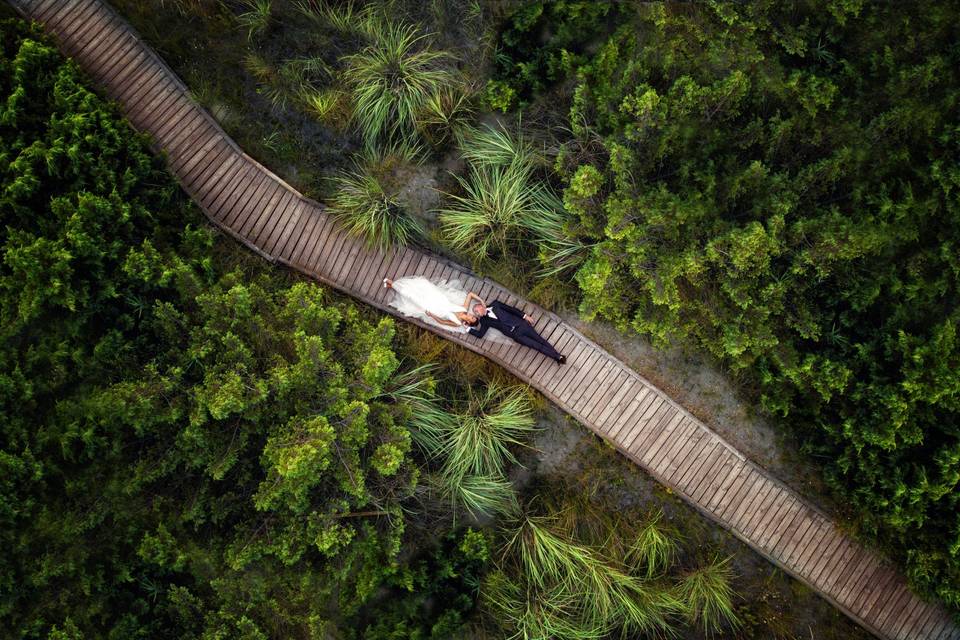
pixel 442 304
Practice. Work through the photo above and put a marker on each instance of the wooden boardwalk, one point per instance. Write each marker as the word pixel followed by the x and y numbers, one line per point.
pixel 257 208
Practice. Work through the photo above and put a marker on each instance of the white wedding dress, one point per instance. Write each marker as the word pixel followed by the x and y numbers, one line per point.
pixel 415 295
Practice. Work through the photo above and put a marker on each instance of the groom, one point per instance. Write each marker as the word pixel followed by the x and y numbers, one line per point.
pixel 513 323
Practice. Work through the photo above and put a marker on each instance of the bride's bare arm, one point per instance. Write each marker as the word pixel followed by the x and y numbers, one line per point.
pixel 441 320
pixel 472 296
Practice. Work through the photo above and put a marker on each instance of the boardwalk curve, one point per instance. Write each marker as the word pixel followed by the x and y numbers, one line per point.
pixel 260 210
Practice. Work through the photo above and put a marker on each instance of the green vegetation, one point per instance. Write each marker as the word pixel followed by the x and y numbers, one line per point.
pixel 188 443
pixel 777 185
pixel 393 81
pixel 196 444
pixel 505 207
pixel 366 201
pixel 542 43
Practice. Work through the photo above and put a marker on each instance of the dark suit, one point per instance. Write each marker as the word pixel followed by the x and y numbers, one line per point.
pixel 510 322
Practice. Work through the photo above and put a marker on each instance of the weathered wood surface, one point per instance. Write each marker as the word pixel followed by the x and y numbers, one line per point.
pixel 260 210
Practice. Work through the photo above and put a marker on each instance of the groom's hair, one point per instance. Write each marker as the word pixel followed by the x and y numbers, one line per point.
pixel 477 308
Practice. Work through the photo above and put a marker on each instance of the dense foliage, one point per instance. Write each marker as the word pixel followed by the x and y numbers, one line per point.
pixel 778 183
pixel 189 447
pixel 543 42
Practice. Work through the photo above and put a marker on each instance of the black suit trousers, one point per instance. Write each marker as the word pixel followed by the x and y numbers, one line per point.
pixel 528 337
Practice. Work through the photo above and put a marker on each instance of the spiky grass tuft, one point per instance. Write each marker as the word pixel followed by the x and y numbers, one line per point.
pixel 574 590
pixel 708 597
pixel 255 17
pixel 654 549
pixel 504 202
pixel 369 209
pixel 392 80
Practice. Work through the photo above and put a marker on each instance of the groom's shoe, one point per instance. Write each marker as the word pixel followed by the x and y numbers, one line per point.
pixel 562 360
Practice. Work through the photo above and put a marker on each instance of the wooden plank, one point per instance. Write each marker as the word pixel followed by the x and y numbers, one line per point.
pixel 288 238
pixel 115 44
pixel 59 22
pixel 570 384
pixel 849 578
pixel 332 245
pixel 749 504
pixel 248 200
pixel 90 33
pixel 800 544
pixel 204 166
pixel 677 432
pixel 94 35
pixel 276 218
pixel 795 535
pixel 694 453
pixel 98 35
pixel 648 432
pixel 653 419
pixel 594 387
pixel 637 407
pixel 131 80
pixel 374 281
pixel 808 555
pixel 875 573
pixel 202 143
pixel 265 210
pixel 555 376
pixel 276 243
pixel 766 524
pixel 611 374
pixel 745 489
pixel 743 498
pixel 694 470
pixel 696 484
pixel 789 519
pixel 314 221
pixel 342 271
pixel 145 84
pixel 834 545
pixel 913 610
pixel 271 193
pixel 177 122
pixel 221 204
pixel 924 627
pixel 134 63
pixel 916 613
pixel 44 11
pixel 720 502
pixel 202 171
pixel 892 606
pixel 608 402
pixel 837 566
pixel 144 106
pixel 616 405
pixel 215 194
pixel 188 137
pixel 151 102
pixel 716 496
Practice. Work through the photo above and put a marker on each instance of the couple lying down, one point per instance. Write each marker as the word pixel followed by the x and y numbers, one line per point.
pixel 448 306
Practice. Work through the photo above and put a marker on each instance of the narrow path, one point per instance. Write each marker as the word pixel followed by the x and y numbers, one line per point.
pixel 257 208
